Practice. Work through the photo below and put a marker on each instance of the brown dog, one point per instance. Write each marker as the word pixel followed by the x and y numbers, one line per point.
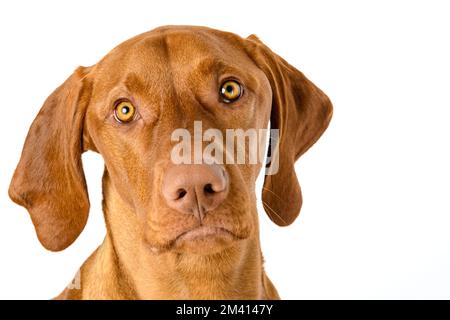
pixel 173 231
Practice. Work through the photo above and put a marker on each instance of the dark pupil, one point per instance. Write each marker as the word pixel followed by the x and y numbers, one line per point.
pixel 125 110
pixel 229 88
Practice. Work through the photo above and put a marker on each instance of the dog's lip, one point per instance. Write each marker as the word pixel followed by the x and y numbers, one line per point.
pixel 204 232
pixel 199 233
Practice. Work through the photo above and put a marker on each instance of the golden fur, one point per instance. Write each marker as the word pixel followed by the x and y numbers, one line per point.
pixel 171 74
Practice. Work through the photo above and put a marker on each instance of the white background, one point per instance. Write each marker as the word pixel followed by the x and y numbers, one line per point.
pixel 376 215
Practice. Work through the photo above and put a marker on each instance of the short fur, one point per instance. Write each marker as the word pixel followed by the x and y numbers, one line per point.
pixel 172 75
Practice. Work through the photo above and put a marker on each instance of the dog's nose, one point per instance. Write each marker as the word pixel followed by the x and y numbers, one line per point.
pixel 195 188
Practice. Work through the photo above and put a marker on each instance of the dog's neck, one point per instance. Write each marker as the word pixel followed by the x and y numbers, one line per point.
pixel 234 273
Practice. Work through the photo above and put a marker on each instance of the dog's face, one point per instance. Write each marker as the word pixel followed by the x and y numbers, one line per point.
pixel 170 79
pixel 129 106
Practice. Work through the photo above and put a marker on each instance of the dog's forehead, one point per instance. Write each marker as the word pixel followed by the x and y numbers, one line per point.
pixel 177 48
pixel 186 43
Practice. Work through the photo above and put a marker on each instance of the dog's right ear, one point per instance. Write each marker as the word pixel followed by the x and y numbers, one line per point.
pixel 49 180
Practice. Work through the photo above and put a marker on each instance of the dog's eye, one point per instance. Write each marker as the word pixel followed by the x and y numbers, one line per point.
pixel 230 91
pixel 124 111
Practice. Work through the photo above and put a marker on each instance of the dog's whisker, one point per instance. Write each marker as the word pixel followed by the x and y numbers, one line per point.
pixel 265 204
pixel 267 189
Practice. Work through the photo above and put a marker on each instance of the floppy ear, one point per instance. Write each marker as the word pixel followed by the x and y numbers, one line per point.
pixel 301 112
pixel 49 180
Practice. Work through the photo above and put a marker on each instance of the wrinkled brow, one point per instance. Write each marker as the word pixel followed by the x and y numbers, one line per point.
pixel 134 83
pixel 220 67
pixel 208 65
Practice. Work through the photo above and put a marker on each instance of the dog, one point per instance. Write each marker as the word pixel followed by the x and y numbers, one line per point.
pixel 174 231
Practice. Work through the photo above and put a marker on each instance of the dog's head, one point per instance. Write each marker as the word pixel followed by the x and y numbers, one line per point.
pixel 166 110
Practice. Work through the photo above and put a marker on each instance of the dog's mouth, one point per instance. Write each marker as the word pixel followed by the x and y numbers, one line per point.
pixel 205 232
pixel 205 240
pixel 200 240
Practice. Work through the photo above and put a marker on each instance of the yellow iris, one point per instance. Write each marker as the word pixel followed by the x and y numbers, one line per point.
pixel 230 91
pixel 124 111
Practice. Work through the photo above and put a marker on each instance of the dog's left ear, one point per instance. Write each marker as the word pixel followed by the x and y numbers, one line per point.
pixel 49 180
pixel 301 112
